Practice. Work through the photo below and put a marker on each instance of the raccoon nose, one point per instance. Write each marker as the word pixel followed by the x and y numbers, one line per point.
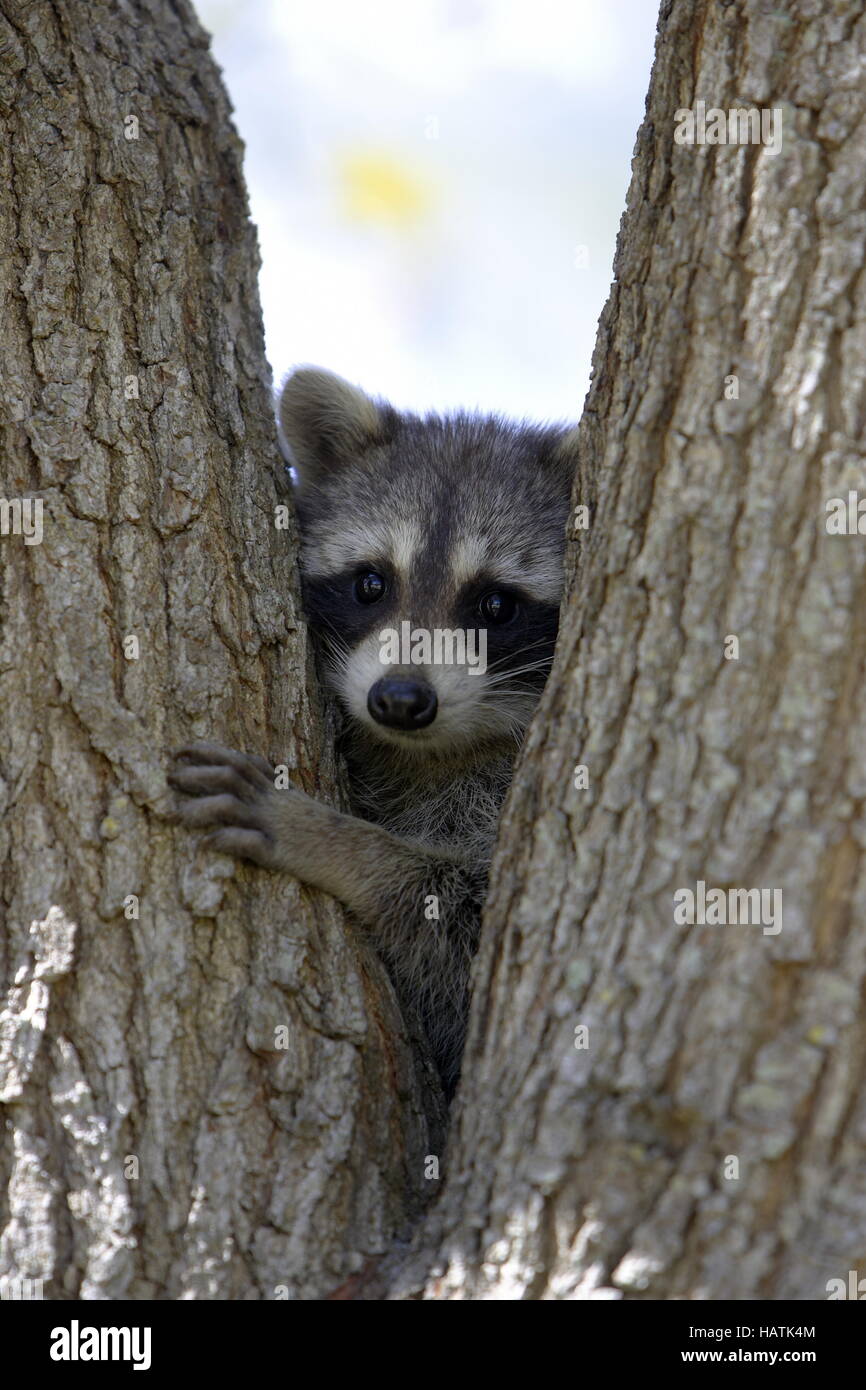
pixel 400 703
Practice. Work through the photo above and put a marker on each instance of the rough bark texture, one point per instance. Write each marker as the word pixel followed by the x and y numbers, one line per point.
pixel 596 1172
pixel 601 1172
pixel 157 1141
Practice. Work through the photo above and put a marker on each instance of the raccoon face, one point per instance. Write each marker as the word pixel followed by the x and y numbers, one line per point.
pixel 431 562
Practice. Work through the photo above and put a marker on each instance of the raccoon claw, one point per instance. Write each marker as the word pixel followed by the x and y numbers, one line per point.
pixel 244 844
pixel 211 781
pixel 204 767
pixel 228 790
pixel 219 810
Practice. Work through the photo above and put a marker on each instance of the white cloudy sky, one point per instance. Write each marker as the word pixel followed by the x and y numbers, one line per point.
pixel 424 174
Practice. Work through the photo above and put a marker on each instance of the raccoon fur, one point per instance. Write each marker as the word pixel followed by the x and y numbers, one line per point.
pixel 444 524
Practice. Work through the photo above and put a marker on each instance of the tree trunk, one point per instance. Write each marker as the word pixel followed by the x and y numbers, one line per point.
pixel 206 1088
pixel 608 1170
pixel 164 1138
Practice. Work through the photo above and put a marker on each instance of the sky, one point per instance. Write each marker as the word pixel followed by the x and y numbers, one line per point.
pixel 437 186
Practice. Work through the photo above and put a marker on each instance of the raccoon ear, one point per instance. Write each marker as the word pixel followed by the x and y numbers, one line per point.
pixel 326 422
pixel 562 454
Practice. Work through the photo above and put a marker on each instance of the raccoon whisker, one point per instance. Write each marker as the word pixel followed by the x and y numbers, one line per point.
pixel 519 692
pixel 542 642
pixel 335 664
pixel 527 683
pixel 520 671
pixel 515 731
pixel 336 648
pixel 333 637
pixel 538 661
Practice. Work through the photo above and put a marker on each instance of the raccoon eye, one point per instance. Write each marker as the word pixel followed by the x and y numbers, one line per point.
pixel 369 587
pixel 498 607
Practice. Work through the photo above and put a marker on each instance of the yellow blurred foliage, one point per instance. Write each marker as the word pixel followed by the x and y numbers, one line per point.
pixel 379 188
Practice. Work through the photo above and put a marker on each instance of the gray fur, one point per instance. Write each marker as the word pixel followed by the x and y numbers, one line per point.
pixel 434 503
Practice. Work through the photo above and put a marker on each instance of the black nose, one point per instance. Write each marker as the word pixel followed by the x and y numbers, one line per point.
pixel 399 702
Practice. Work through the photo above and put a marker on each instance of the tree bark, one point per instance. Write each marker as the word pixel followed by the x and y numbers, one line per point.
pixel 606 1171
pixel 162 1138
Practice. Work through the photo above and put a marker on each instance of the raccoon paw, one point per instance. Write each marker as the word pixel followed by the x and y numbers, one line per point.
pixel 231 790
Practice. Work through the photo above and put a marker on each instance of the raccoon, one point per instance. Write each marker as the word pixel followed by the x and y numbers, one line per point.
pixel 410 527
